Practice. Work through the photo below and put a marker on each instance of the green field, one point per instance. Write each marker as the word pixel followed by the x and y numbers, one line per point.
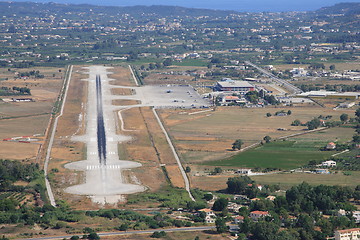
pixel 280 154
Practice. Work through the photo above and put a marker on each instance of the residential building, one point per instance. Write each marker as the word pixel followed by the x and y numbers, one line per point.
pixel 355 214
pixel 329 163
pixel 330 146
pixel 210 215
pixel 245 171
pixel 238 219
pixel 348 234
pixel 256 215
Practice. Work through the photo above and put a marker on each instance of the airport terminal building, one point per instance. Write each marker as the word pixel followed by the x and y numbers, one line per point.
pixel 241 87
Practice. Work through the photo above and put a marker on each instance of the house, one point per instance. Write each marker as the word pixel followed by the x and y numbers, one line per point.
pixel 348 234
pixel 230 99
pixel 329 163
pixel 346 105
pixel 271 198
pixel 234 207
pixel 355 214
pixel 238 219
pixel 255 199
pixel 241 197
pixel 241 87
pixel 256 215
pixel 210 215
pixel 245 171
pixel 330 146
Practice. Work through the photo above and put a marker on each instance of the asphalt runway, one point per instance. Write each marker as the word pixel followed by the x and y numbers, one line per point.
pixel 104 182
pixel 101 135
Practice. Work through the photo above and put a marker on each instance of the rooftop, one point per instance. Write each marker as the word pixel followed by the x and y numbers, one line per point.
pixel 235 84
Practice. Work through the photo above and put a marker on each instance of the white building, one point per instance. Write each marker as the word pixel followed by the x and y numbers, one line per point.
pixel 348 234
pixel 245 171
pixel 210 215
pixel 355 214
pixel 329 163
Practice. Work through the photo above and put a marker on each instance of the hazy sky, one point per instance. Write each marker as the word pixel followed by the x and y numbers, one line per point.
pixel 238 5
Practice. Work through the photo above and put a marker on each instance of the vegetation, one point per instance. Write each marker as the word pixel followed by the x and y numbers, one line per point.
pixel 280 155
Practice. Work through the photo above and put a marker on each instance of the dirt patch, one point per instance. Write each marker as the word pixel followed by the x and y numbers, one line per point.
pixel 122 76
pixel 124 102
pixel 122 91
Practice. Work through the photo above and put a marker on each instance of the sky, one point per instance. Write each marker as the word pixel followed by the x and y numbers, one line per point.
pixel 237 5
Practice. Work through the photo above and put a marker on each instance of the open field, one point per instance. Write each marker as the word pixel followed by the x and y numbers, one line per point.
pixel 208 136
pixel 64 150
pixel 353 65
pixel 176 236
pixel 27 118
pixel 285 180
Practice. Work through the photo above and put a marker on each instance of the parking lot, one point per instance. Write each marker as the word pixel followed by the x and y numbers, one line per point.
pixel 178 96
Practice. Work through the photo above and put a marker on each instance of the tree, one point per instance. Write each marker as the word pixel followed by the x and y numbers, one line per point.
pixel 296 123
pixel 93 236
pixel 75 238
pixel 217 170
pixel 167 62
pixel 267 139
pixel 357 113
pixel 238 185
pixel 221 225
pixel 289 112
pixel 157 234
pixel 332 67
pixel 313 124
pixel 356 138
pixel 344 117
pixel 268 114
pixel 220 204
pixel 208 196
pixel 237 144
pixel 265 230
pixel 187 169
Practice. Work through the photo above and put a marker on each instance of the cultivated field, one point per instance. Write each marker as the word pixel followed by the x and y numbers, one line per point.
pixel 209 135
pixel 204 140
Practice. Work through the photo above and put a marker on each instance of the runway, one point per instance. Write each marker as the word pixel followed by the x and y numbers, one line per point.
pixel 101 135
pixel 104 182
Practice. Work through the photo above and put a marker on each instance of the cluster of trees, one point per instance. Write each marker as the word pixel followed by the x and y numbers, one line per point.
pixel 305 204
pixel 356 137
pixel 328 87
pixel 5 91
pixel 12 171
pixel 316 66
pixel 242 185
pixel 254 96
pixel 137 221
pixel 32 73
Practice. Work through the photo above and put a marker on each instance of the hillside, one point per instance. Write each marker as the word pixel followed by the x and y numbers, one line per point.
pixel 341 8
pixel 31 9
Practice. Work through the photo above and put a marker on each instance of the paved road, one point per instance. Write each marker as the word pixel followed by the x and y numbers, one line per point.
pixel 185 177
pixel 283 83
pixel 51 140
pixel 189 229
